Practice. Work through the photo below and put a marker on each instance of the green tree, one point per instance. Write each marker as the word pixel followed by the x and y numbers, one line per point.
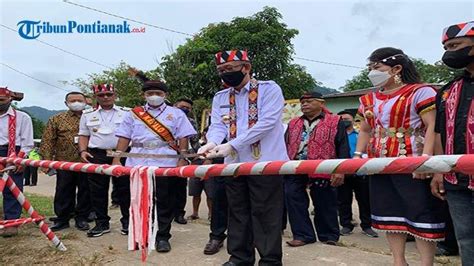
pixel 437 73
pixel 191 69
pixel 128 88
pixel 38 125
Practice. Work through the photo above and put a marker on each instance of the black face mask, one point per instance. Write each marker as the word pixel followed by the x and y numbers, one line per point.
pixel 347 123
pixel 233 78
pixel 4 106
pixel 459 58
pixel 185 110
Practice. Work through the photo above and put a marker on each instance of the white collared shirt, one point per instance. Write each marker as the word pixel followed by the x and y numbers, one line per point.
pixel 100 125
pixel 24 130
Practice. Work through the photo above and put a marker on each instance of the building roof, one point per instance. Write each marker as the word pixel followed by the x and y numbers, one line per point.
pixel 348 94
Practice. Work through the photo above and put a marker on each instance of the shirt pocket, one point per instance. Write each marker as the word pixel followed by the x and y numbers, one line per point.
pixel 118 121
pixel 93 125
pixel 138 125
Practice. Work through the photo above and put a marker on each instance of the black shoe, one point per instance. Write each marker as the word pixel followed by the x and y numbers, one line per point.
pixel 370 232
pixel 91 217
pixel 58 226
pixel 82 225
pixel 98 230
pixel 441 251
pixel 213 246
pixel 180 219
pixel 124 230
pixel 346 231
pixel 330 242
pixel 229 263
pixel 163 246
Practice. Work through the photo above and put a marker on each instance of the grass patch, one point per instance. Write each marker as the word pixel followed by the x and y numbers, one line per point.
pixel 42 204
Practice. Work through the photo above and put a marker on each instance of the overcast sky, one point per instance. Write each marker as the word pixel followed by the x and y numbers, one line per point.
pixel 344 32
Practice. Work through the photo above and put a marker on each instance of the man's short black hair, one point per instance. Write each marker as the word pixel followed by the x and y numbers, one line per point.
pixel 74 93
pixel 346 112
pixel 185 100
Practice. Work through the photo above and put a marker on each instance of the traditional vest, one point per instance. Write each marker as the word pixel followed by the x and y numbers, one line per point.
pixel 451 99
pixel 321 144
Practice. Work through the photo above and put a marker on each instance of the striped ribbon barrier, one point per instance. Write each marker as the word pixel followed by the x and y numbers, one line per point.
pixel 393 165
pixel 7 181
pixel 19 222
pixel 433 164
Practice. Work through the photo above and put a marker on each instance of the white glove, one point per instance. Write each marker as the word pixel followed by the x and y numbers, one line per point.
pixel 222 150
pixel 206 148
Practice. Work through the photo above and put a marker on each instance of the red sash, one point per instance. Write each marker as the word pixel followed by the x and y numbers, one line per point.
pixel 156 126
pixel 11 134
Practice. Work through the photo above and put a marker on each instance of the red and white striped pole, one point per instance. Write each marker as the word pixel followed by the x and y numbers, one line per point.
pixel 8 181
pixel 429 164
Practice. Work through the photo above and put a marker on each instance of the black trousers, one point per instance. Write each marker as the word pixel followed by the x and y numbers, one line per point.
pixel 324 199
pixel 166 188
pixel 449 243
pixel 65 204
pixel 220 209
pixel 181 196
pixel 255 214
pixel 359 185
pixel 99 190
pixel 11 206
pixel 30 174
pixel 115 191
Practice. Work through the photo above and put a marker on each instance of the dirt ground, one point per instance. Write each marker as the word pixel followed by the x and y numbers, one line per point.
pixel 188 241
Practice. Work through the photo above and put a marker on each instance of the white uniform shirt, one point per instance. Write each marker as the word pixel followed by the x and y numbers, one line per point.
pixel 24 130
pixel 134 129
pixel 100 125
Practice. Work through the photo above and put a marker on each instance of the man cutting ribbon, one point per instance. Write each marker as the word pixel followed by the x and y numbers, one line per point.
pixel 248 114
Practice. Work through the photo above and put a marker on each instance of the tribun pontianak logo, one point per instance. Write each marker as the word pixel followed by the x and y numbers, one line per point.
pixel 30 29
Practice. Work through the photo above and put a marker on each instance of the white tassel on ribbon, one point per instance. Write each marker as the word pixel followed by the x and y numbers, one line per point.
pixel 142 194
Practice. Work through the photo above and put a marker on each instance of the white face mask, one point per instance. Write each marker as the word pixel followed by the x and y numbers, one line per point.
pixel 378 78
pixel 155 100
pixel 76 106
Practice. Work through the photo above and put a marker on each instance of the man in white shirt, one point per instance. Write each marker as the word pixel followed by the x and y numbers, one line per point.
pixel 16 139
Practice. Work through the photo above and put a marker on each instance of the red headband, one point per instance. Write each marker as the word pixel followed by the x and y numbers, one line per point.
pixel 459 30
pixel 103 88
pixel 5 91
pixel 233 55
